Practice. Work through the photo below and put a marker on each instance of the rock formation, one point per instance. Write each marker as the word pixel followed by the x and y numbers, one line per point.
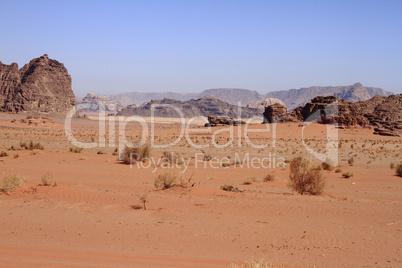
pixel 382 113
pixel 261 104
pixel 41 86
pixel 93 102
pixel 204 106
pixel 275 113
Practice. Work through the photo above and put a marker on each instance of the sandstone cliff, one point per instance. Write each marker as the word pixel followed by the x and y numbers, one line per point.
pixel 41 86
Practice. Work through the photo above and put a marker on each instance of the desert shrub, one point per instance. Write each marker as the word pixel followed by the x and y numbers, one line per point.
pixel 327 166
pixel 165 181
pixel 304 179
pixel 75 149
pixel 338 170
pixel 347 175
pixel 82 158
pixel 3 154
pixel 229 188
pixel 187 182
pixel 269 177
pixel 257 263
pixel 16 156
pixel 31 145
pixel 399 170
pixel 250 180
pixel 47 179
pixel 131 155
pixel 351 161
pixel 171 158
pixel 11 182
pixel 143 198
pixel 100 152
pixel 115 152
pixel 392 165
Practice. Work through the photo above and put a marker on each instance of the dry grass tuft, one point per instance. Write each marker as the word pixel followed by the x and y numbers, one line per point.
pixel 11 182
pixel 165 181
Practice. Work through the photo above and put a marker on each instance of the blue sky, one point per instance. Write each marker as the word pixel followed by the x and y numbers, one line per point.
pixel 111 47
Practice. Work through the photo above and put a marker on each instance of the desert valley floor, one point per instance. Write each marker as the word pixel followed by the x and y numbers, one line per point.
pixel 92 216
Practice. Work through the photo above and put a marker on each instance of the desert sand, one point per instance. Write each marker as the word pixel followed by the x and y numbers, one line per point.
pixel 92 216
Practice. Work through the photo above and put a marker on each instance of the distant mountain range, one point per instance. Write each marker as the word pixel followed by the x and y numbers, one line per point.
pixel 293 98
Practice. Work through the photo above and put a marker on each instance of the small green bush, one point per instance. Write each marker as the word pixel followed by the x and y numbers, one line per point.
pixel 165 181
pixel 11 182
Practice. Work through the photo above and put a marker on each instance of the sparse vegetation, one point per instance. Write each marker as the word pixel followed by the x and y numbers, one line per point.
pixel 115 152
pixel 229 188
pixel 165 181
pixel 338 170
pixel 399 170
pixel 11 182
pixel 16 156
pixel 256 263
pixel 171 158
pixel 31 145
pixel 327 166
pixel 351 161
pixel 3 154
pixel 304 179
pixel 143 198
pixel 100 152
pixel 250 180
pixel 269 177
pixel 47 179
pixel 392 165
pixel 75 149
pixel 131 155
pixel 347 175
pixel 82 158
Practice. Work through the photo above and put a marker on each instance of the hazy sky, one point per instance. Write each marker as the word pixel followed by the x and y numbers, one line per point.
pixel 111 47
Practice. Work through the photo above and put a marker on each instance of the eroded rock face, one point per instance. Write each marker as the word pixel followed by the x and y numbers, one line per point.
pixel 275 113
pixel 383 113
pixel 43 86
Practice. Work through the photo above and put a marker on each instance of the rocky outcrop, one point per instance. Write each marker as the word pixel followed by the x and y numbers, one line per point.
pixel 222 120
pixel 93 102
pixel 261 104
pixel 382 113
pixel 275 113
pixel 41 86
pixel 204 106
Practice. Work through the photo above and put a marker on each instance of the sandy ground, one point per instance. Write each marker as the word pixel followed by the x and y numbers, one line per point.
pixel 93 216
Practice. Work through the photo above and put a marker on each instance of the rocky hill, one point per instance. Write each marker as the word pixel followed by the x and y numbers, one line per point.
pixel 204 106
pixel 261 104
pixel 294 98
pixel 139 98
pixel 41 86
